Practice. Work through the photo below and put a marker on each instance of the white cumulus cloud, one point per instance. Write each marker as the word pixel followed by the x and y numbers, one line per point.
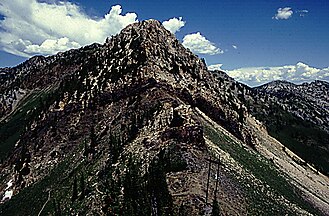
pixel 283 13
pixel 198 44
pixel 302 13
pixel 51 46
pixel 31 27
pixel 174 25
pixel 298 73
pixel 215 67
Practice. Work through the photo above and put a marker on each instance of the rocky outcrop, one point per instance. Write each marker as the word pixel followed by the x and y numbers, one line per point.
pixel 308 101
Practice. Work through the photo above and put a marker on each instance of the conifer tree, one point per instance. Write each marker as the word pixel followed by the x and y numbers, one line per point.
pixel 215 208
pixel 74 190
pixel 82 186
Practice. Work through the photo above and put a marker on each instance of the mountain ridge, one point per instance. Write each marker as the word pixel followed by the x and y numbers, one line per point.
pixel 314 93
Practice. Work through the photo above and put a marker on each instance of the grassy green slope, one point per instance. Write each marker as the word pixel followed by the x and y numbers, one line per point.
pixel 57 186
pixel 260 201
pixel 304 138
pixel 14 125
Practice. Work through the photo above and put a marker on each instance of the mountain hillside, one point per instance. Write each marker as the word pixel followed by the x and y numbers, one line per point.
pixel 298 116
pixel 139 126
pixel 308 101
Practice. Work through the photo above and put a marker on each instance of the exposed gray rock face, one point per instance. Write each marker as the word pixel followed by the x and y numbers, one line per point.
pixel 308 101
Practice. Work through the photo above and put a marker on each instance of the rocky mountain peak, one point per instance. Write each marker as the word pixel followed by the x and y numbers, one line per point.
pixel 308 101
pixel 156 46
pixel 141 36
pixel 276 85
pixel 147 30
pixel 144 34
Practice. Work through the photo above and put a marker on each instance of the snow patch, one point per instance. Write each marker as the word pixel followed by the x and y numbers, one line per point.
pixel 9 184
pixel 8 193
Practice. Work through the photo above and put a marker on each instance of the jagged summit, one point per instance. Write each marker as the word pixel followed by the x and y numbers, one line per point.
pixel 308 101
pixel 317 83
pixel 148 35
pixel 148 42
pixel 276 84
pixel 287 84
pixel 145 28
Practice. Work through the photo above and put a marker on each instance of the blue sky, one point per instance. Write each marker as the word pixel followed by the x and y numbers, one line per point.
pixel 260 40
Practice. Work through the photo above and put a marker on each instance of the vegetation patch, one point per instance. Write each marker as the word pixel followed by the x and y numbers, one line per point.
pixel 304 138
pixel 14 125
pixel 260 202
